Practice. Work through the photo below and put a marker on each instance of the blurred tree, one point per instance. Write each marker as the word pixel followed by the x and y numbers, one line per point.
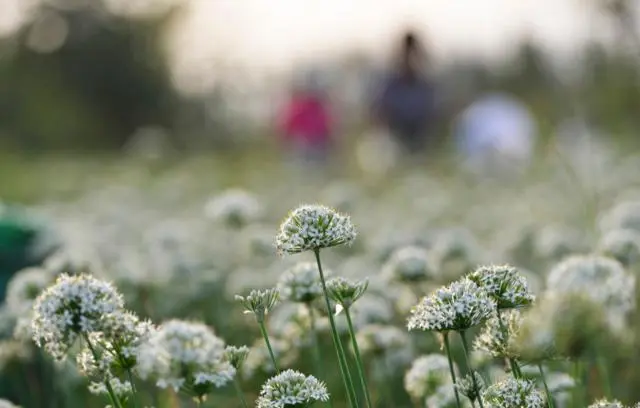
pixel 623 14
pixel 82 77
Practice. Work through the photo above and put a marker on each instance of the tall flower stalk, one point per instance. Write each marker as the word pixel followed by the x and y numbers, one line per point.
pixel 510 291
pixel 546 386
pixel 265 336
pixel 513 363
pixel 312 228
pixel 580 390
pixel 452 371
pixel 107 383
pixel 236 357
pixel 456 307
pixel 259 302
pixel 301 284
pixel 603 373
pixel 315 343
pixel 238 387
pixel 345 293
pixel 474 379
pixel 342 358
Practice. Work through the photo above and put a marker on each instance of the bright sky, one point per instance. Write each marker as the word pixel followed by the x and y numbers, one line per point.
pixel 269 34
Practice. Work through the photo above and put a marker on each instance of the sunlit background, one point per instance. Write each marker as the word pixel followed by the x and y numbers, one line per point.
pixel 212 65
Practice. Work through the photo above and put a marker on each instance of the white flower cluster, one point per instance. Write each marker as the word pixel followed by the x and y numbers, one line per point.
pixel 564 325
pixel 24 287
pixel 504 284
pixel 378 339
pixel 534 339
pixel 120 388
pixel 22 290
pixel 185 354
pixel 625 215
pixel 313 227
pixel 554 243
pixel 125 333
pixel 7 404
pixel 444 397
pixel 458 306
pixel 560 382
pixel 622 245
pixel 291 388
pixel 72 307
pixel 606 404
pixel 301 283
pixel 345 292
pixel 494 337
pixel 235 208
pixel 427 375
pixel 409 264
pixel 512 393
pixel 72 262
pixel 471 387
pixel 259 302
pixel 236 355
pixel 117 345
pixel 604 280
pixel 14 350
pixel 96 366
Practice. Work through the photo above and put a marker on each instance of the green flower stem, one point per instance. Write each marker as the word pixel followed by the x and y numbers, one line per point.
pixel 33 387
pixel 133 388
pixel 112 395
pixel 603 373
pixel 447 346
pixel 352 388
pixel 342 360
pixel 578 391
pixel 360 365
pixel 317 358
pixel 515 369
pixel 546 387
pixel 384 382
pixel 238 388
pixel 263 330
pixel 465 346
pixel 314 341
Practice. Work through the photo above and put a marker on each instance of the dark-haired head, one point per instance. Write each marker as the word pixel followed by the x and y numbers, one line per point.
pixel 410 41
pixel 410 53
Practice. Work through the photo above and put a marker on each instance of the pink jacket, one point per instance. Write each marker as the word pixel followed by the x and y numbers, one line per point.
pixel 306 120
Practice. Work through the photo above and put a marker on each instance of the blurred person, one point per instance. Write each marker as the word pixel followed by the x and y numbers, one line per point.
pixel 495 134
pixel 406 104
pixel 18 244
pixel 305 122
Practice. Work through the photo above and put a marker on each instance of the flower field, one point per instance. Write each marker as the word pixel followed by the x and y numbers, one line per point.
pixel 274 287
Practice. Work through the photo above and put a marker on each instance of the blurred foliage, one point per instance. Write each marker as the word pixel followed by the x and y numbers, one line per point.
pixel 92 87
